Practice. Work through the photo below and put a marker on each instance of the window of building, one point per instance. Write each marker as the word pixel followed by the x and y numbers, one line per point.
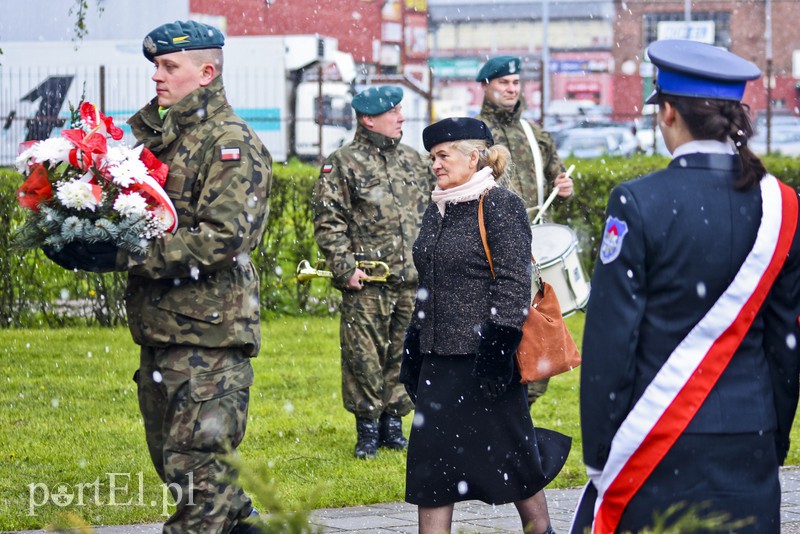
pixel 721 19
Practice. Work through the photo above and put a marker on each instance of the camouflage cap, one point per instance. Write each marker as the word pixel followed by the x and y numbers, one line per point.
pixel 181 35
pixel 377 100
pixel 497 67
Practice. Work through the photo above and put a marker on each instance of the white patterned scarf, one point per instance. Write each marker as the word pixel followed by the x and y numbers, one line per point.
pixel 472 189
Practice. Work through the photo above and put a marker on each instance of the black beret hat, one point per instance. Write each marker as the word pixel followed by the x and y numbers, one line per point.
pixel 497 67
pixel 454 129
pixel 699 70
pixel 181 35
pixel 377 100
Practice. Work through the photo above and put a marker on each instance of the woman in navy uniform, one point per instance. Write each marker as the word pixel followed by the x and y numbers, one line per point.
pixel 689 380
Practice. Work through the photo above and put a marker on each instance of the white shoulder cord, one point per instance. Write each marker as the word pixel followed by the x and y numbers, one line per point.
pixel 537 161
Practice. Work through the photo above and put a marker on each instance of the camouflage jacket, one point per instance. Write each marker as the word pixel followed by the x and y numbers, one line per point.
pixel 368 204
pixel 198 286
pixel 507 131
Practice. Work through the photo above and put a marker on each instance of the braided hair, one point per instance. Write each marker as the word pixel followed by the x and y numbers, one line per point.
pixel 708 118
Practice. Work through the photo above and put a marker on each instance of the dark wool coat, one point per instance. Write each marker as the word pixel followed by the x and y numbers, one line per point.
pixel 457 294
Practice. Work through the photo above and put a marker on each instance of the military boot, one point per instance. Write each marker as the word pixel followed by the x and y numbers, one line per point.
pixel 367 443
pixel 391 432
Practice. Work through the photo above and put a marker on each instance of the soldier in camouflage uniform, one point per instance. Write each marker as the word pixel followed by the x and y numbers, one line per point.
pixel 192 300
pixel 502 112
pixel 368 205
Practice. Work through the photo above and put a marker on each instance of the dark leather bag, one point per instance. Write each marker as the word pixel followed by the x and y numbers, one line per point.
pixel 547 348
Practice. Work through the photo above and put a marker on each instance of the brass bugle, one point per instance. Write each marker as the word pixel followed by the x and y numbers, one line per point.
pixel 369 265
pixel 306 272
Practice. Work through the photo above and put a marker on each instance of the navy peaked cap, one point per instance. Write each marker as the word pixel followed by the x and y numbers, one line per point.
pixel 497 67
pixel 699 70
pixel 181 35
pixel 377 100
pixel 454 129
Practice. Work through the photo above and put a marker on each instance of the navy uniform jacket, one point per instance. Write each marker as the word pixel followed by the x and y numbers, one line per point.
pixel 688 232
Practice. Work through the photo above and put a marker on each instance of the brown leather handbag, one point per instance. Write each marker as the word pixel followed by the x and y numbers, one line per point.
pixel 547 348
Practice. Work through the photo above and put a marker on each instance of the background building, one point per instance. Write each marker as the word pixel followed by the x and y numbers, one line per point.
pixel 737 25
pixel 579 38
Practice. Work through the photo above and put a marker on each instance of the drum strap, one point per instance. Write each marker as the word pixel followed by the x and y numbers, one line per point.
pixel 671 400
pixel 537 161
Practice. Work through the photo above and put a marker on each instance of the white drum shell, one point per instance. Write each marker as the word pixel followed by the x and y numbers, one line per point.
pixel 555 248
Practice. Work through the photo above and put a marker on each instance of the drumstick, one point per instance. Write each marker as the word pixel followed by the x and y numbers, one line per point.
pixel 552 197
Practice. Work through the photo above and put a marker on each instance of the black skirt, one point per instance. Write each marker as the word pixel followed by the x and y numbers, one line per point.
pixel 465 447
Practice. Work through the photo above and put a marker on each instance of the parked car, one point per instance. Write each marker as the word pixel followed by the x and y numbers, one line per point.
pixel 597 142
pixel 784 140
pixel 779 120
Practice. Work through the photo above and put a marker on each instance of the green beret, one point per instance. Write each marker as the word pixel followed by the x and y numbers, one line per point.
pixel 377 100
pixel 181 35
pixel 497 67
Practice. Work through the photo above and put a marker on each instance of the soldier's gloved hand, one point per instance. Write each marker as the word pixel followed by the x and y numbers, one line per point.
pixel 494 363
pixel 93 257
pixel 411 364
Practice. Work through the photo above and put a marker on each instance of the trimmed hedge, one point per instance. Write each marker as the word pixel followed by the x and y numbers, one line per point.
pixel 35 292
pixel 584 212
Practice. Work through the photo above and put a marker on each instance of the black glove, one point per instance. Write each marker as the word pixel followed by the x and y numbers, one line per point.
pixel 491 389
pixel 93 257
pixel 494 363
pixel 411 364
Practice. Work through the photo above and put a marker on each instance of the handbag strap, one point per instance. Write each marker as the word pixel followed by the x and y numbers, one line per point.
pixel 482 228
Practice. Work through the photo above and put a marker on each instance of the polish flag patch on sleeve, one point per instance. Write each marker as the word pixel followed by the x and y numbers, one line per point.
pixel 230 153
pixel 327 168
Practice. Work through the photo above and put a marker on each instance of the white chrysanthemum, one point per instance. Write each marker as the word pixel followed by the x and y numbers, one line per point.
pixel 116 154
pixel 24 159
pixel 127 172
pixel 131 205
pixel 124 165
pixel 77 195
pixel 163 218
pixel 53 150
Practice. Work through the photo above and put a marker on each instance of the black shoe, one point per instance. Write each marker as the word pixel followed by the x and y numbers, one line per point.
pixel 367 443
pixel 246 528
pixel 391 433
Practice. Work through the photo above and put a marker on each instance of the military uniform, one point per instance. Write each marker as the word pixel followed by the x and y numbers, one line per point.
pixel 193 302
pixel 690 364
pixel 507 131
pixel 368 205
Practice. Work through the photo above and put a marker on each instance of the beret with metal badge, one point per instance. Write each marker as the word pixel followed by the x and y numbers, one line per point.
pixel 181 35
pixel 497 67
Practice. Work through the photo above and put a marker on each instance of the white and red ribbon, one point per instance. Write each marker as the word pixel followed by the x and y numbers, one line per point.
pixel 681 386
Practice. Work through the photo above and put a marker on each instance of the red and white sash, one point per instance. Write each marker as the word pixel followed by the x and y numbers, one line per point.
pixel 681 386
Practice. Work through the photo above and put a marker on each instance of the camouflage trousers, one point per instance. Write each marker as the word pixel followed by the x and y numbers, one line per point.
pixel 194 404
pixel 372 328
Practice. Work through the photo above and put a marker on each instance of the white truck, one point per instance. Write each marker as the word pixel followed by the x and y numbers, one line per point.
pixel 294 91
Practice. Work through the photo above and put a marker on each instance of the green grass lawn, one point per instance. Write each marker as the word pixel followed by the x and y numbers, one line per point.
pixel 69 417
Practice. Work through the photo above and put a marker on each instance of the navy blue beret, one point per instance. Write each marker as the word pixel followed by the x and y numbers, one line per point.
pixel 698 70
pixel 377 100
pixel 454 129
pixel 497 67
pixel 181 35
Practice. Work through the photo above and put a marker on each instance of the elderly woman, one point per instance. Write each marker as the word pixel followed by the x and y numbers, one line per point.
pixel 472 435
